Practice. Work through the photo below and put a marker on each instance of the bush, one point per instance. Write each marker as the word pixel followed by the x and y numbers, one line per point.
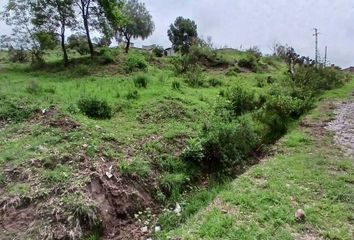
pixel 176 85
pixel 95 108
pixel 106 56
pixel 135 62
pixel 81 70
pixel 195 77
pixel 14 110
pixel 132 94
pixel 214 82
pixel 141 81
pixel 241 100
pixel 158 51
pixel 172 184
pixel 249 62
pixel 233 72
pixel 18 55
pixel 224 146
pixel 279 111
pixel 33 87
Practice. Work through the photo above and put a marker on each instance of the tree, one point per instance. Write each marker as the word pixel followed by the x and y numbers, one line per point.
pixel 56 16
pixel 86 10
pixel 136 22
pixel 79 43
pixel 182 34
pixel 20 15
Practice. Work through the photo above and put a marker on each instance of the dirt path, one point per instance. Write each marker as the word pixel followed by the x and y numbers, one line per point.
pixel 343 127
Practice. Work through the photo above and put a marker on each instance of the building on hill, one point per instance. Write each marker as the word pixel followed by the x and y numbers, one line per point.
pixel 149 47
pixel 169 51
pixel 349 70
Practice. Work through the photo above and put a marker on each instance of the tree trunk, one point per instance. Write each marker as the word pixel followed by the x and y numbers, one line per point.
pixel 127 45
pixel 88 36
pixel 65 54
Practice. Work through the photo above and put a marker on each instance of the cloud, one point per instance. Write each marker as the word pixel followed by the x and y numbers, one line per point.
pixel 246 23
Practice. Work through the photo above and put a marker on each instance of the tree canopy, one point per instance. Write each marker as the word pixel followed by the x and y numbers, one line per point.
pixel 182 34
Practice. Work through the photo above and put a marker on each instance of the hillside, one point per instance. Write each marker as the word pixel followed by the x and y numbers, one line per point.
pixel 105 148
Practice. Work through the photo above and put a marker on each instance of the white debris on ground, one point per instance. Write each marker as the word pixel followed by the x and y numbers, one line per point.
pixel 343 127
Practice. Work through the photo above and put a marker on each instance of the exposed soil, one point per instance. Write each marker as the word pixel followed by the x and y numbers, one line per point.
pixel 343 127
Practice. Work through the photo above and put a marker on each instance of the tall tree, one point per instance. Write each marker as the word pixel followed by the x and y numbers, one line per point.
pixel 56 16
pixel 86 11
pixel 182 34
pixel 136 22
pixel 20 15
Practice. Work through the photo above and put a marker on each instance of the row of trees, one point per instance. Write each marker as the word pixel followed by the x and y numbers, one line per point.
pixel 40 24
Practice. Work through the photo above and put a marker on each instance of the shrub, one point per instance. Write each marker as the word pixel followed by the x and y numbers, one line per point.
pixel 81 70
pixel 95 108
pixel 106 56
pixel 241 100
pixel 214 82
pixel 141 81
pixel 135 62
pixel 18 55
pixel 176 85
pixel 172 184
pixel 224 146
pixel 158 51
pixel 15 110
pixel 33 87
pixel 132 94
pixel 249 62
pixel 195 77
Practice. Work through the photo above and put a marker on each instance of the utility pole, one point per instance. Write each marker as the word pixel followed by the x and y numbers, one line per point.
pixel 316 42
pixel 325 61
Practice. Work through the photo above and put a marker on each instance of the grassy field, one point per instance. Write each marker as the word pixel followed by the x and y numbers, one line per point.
pixel 127 170
pixel 306 172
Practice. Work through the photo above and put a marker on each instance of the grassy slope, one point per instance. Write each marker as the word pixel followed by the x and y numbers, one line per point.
pixel 307 172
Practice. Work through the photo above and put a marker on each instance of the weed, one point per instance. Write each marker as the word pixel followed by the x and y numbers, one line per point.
pixel 172 184
pixel 33 87
pixel 176 85
pixel 141 81
pixel 214 82
pixel 132 94
pixel 61 174
pixel 135 62
pixel 95 108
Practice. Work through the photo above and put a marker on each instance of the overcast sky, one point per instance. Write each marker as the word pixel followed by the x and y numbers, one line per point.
pixel 246 23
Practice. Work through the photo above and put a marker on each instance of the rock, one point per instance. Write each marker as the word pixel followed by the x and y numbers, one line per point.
pixel 144 229
pixel 157 228
pixel 300 215
pixel 178 209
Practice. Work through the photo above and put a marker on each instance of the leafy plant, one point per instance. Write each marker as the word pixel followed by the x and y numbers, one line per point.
pixel 132 94
pixel 176 85
pixel 33 87
pixel 141 81
pixel 135 62
pixel 138 168
pixel 95 108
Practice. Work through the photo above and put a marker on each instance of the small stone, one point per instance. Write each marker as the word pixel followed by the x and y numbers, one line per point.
pixel 300 215
pixel 109 175
pixel 144 229
pixel 157 228
pixel 178 209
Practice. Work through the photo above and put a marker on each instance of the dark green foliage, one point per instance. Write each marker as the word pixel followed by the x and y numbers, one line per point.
pixel 176 85
pixel 195 77
pixel 33 87
pixel 141 81
pixel 172 184
pixel 214 82
pixel 132 94
pixel 15 110
pixel 223 147
pixel 18 55
pixel 95 108
pixel 233 72
pixel 241 100
pixel 138 168
pixel 106 56
pixel 158 51
pixel 135 62
pixel 182 34
pixel 249 62
pixel 81 70
pixel 79 44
